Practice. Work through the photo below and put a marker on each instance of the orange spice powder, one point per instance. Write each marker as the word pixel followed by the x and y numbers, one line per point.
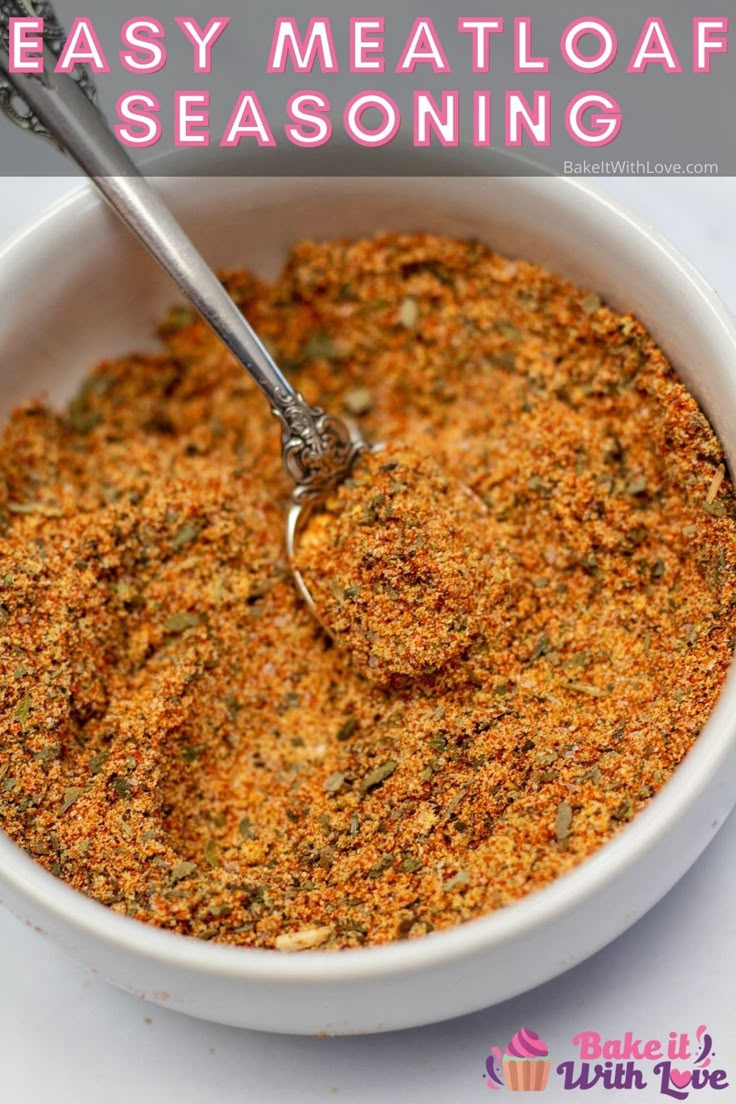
pixel 182 742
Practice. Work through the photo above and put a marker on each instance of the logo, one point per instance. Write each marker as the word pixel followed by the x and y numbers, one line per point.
pixel 523 1067
pixel 677 1067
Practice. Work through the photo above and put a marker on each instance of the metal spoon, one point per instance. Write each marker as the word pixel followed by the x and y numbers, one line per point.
pixel 318 449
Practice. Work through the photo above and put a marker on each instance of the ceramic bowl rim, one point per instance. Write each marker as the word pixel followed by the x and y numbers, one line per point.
pixel 32 246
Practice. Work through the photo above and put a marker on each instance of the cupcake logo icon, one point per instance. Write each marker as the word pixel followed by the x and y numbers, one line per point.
pixel 524 1065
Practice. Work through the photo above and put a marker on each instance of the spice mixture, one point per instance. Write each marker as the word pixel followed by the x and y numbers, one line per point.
pixel 182 742
pixel 404 566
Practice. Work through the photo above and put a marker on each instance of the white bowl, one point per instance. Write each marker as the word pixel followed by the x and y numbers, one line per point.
pixel 75 288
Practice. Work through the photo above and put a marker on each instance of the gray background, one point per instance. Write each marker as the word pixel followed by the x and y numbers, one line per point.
pixel 666 117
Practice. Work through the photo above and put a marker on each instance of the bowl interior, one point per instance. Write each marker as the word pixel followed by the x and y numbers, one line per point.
pixel 77 289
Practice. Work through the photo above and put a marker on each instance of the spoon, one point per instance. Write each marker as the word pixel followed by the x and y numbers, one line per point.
pixel 446 594
pixel 318 449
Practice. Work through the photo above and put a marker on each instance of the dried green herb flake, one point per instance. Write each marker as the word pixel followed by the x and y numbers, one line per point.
pixel 378 775
pixel 183 870
pixel 563 821
pixel 188 533
pixel 71 794
pixel 460 879
pixel 334 783
pixel 23 712
pixel 180 622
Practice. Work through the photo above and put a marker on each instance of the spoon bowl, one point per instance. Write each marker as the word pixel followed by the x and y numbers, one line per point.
pixel 298 514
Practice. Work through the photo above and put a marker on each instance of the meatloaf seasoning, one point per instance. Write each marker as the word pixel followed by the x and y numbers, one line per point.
pixel 180 740
pixel 404 565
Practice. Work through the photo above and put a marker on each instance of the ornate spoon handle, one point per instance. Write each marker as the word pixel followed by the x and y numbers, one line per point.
pixel 318 449
pixel 54 37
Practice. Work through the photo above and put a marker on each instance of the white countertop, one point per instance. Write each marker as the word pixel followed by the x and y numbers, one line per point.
pixel 66 1036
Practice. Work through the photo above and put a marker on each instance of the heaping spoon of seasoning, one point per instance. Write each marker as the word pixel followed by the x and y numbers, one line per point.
pixel 319 450
pixel 415 575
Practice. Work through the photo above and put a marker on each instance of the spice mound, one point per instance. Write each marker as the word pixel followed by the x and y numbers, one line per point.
pixel 402 565
pixel 181 741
